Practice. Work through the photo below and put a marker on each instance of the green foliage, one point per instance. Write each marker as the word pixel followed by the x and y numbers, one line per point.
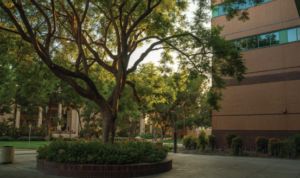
pixel 237 145
pixel 211 141
pixel 202 138
pixel 296 141
pixel 4 127
pixel 261 143
pixel 122 133
pixel 186 141
pixel 229 138
pixel 32 138
pixel 6 138
pixel 97 153
pixel 286 145
pixel 274 144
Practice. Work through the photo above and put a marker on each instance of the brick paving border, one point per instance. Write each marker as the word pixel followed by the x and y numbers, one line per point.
pixel 107 171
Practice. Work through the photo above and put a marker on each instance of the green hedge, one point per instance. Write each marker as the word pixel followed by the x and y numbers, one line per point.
pixel 97 153
pixel 6 138
pixel 33 138
pixel 237 145
pixel 261 143
pixel 229 137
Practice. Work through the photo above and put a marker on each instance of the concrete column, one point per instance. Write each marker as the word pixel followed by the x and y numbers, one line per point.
pixel 40 116
pixel 142 126
pixel 59 115
pixel 151 126
pixel 76 123
pixel 18 115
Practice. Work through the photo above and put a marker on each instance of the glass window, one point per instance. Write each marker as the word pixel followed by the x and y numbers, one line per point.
pixel 298 33
pixel 274 38
pixel 249 3
pixel 264 40
pixel 221 10
pixel 252 42
pixel 292 35
pixel 215 11
pixel 240 6
pixel 241 44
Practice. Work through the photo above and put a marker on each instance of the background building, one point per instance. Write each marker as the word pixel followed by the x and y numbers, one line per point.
pixel 271 49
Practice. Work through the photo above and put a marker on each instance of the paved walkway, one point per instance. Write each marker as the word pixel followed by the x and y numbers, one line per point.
pixel 184 165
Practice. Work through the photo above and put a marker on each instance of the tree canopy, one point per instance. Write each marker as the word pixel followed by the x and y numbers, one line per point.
pixel 89 43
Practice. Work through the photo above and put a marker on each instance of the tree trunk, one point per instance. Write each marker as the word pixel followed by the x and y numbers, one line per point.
pixel 132 129
pixel 156 133
pixel 163 132
pixel 48 118
pixel 106 124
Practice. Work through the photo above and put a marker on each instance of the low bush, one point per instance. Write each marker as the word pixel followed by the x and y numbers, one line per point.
pixel 122 133
pixel 186 141
pixel 296 142
pixel 261 143
pixel 236 145
pixel 98 153
pixel 274 145
pixel 147 136
pixel 211 141
pixel 6 138
pixel 286 145
pixel 33 138
pixel 229 138
pixel 202 139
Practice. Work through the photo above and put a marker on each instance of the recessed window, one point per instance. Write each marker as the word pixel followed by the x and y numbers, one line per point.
pixel 241 44
pixel 274 37
pixel 264 40
pixel 221 10
pixel 298 33
pixel 292 35
pixel 252 42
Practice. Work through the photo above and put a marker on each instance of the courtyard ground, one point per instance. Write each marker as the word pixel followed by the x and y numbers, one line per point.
pixel 184 165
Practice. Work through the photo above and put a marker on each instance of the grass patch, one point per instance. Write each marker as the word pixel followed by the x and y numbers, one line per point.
pixel 24 144
pixel 171 141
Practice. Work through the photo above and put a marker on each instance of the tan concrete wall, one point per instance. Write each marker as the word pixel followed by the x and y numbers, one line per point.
pixel 264 18
pixel 260 100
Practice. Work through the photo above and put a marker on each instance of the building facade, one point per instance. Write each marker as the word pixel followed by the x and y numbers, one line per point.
pixel 36 116
pixel 267 102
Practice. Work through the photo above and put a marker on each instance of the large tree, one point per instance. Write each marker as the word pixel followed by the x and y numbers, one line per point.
pixel 70 37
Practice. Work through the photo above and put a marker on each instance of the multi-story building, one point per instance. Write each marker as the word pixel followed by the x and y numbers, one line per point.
pixel 267 102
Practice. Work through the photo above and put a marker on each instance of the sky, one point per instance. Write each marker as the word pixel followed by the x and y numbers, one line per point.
pixel 154 56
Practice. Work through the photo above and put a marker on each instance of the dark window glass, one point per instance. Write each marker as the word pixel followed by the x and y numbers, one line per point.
pixel 264 40
pixel 274 38
pixel 252 42
pixel 241 44
pixel 221 10
pixel 292 35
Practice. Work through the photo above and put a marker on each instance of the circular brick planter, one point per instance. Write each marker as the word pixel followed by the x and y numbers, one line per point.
pixel 95 170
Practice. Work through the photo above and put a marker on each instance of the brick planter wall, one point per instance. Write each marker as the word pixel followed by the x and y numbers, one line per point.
pixel 95 170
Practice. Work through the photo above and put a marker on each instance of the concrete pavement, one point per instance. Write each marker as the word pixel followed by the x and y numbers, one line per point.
pixel 184 165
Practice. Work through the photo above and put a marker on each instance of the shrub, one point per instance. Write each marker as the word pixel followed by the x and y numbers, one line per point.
pixel 296 142
pixel 98 153
pixel 211 141
pixel 5 138
pixel 274 144
pixel 122 133
pixel 237 144
pixel 229 138
pixel 33 138
pixel 147 136
pixel 202 139
pixel 187 140
pixel 261 143
pixel 286 145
